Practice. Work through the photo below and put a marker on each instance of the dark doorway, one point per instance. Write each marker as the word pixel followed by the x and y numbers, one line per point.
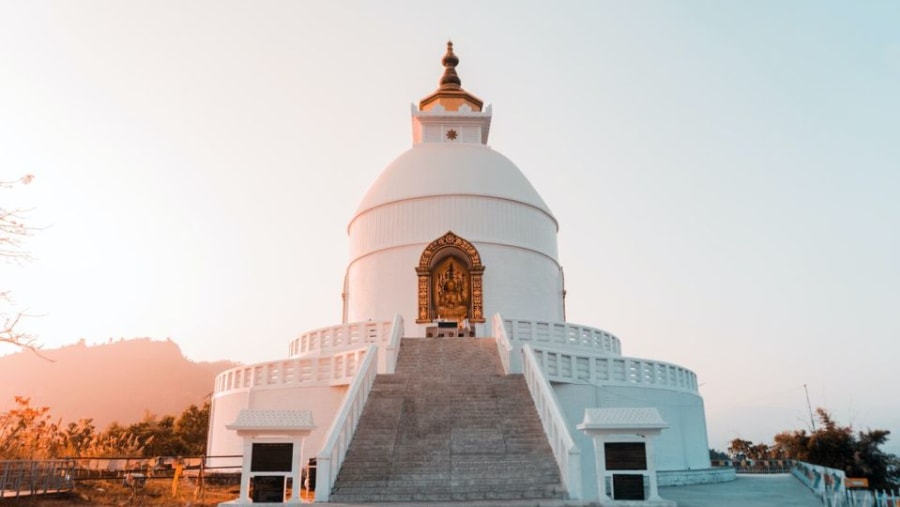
pixel 267 488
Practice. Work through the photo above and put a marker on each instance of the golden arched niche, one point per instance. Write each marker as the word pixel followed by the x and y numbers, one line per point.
pixel 450 281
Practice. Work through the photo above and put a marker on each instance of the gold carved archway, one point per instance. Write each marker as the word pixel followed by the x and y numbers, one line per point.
pixel 450 281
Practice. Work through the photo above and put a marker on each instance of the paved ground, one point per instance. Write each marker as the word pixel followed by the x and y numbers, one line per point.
pixel 776 490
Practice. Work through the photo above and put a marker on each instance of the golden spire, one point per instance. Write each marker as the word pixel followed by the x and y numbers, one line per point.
pixel 450 93
pixel 450 80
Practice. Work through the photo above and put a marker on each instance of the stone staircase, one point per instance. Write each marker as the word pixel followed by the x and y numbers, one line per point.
pixel 448 426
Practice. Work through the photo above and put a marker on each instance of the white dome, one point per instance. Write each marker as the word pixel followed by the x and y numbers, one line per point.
pixel 445 169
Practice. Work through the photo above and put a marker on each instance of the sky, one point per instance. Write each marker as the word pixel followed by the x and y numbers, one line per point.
pixel 725 175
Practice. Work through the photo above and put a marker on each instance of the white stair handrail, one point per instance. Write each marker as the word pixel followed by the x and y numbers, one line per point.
pixel 505 348
pixel 331 457
pixel 388 357
pixel 566 452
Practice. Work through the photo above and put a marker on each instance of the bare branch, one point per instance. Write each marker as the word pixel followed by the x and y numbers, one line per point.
pixel 13 228
pixel 12 224
pixel 24 180
pixel 8 333
pixel 11 335
pixel 8 322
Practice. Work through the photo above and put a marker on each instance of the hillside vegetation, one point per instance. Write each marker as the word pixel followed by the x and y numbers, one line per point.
pixel 123 381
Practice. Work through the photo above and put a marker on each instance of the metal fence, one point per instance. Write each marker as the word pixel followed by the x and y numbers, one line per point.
pixel 28 478
pixel 22 478
pixel 756 466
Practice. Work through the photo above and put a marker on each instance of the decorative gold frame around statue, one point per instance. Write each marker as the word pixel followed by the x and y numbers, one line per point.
pixel 435 254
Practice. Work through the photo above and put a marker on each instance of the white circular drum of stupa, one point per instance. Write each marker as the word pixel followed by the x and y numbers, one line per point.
pixel 477 194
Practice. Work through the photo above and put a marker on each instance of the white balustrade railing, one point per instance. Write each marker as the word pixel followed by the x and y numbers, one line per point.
pixel 567 454
pixel 829 484
pixel 505 349
pixel 599 369
pixel 387 357
pixel 561 333
pixel 333 338
pixel 337 441
pixel 834 489
pixel 336 369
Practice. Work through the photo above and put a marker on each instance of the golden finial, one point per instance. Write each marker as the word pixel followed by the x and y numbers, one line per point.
pixel 450 94
pixel 450 80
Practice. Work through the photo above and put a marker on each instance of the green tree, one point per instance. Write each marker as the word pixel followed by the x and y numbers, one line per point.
pixel 192 427
pixel 740 448
pixel 28 432
pixel 715 454
pixel 158 436
pixel 168 436
pixel 835 446
pixel 117 440
pixel 79 438
pixel 745 449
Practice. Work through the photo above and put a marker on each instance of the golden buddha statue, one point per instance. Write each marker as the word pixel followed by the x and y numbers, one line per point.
pixel 452 298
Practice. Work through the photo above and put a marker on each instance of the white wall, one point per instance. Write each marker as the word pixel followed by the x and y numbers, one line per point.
pixel 681 446
pixel 521 284
pixel 475 218
pixel 323 402
pixel 516 283
pixel 516 242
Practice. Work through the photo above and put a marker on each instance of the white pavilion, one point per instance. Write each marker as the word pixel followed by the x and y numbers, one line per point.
pixel 452 241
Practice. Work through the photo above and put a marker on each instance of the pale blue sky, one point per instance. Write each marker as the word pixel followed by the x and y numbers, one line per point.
pixel 725 174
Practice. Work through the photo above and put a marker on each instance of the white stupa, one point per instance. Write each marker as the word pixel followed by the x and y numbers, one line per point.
pixel 453 240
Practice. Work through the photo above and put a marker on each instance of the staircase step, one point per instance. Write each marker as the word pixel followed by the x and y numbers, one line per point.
pixel 448 426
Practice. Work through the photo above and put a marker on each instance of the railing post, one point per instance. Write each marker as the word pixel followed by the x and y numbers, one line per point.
pixel 323 478
pixel 575 480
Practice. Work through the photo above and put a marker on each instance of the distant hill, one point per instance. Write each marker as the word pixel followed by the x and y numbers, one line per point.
pixel 114 382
